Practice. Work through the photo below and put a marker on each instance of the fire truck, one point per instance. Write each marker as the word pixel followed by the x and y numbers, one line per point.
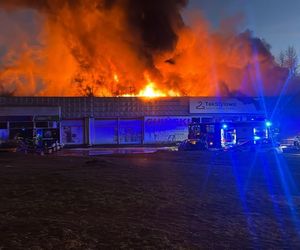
pixel 227 135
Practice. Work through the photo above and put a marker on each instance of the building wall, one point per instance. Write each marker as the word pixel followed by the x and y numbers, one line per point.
pixel 89 120
pixel 30 111
pixel 112 107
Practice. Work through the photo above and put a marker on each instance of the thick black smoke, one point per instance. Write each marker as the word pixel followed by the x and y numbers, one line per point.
pixel 156 22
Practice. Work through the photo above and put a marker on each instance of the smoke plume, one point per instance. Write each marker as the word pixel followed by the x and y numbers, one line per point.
pixel 116 47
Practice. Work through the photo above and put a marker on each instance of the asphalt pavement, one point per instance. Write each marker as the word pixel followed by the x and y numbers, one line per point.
pixel 162 200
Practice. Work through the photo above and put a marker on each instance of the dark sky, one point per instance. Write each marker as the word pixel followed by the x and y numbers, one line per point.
pixel 277 21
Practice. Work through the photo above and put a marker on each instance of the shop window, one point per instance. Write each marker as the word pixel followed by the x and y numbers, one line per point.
pixel 195 120
pixel 41 124
pixel 25 133
pixel 210 128
pixel 3 125
pixel 13 125
pixel 207 120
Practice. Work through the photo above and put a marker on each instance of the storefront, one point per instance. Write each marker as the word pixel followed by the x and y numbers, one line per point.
pixel 133 121
pixel 29 122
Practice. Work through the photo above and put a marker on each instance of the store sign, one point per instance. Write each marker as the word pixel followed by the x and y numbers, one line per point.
pixel 168 121
pixel 224 105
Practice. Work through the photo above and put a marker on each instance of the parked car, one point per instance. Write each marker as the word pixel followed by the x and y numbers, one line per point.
pixel 193 144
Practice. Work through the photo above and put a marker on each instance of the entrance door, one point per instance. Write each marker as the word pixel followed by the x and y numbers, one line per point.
pixel 72 132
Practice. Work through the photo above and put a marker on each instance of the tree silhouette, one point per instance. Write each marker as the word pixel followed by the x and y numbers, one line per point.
pixel 289 59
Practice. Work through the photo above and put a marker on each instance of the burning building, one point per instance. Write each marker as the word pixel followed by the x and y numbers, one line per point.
pixel 110 54
pixel 131 120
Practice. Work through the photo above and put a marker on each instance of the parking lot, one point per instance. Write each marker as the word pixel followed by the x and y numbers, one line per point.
pixel 164 200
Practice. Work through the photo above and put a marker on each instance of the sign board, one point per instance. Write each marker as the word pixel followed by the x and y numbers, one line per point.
pixel 208 105
pixel 166 129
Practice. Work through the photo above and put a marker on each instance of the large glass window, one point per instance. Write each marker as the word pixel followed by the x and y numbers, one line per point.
pixel 13 125
pixel 41 124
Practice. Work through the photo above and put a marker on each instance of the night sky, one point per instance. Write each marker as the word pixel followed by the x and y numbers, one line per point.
pixel 276 21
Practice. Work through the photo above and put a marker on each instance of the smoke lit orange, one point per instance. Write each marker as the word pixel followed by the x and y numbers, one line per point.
pixel 90 47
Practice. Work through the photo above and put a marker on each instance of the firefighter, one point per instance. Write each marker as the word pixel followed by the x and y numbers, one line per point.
pixel 297 142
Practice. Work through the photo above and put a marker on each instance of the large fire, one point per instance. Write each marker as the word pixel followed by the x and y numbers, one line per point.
pixel 152 91
pixel 126 48
pixel 149 91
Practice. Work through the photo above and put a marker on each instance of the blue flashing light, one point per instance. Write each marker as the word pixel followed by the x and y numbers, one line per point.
pixel 225 126
pixel 268 124
pixel 39 133
pixel 257 138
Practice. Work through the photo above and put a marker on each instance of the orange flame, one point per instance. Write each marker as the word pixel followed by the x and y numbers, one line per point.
pixel 116 78
pixel 92 51
pixel 152 91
